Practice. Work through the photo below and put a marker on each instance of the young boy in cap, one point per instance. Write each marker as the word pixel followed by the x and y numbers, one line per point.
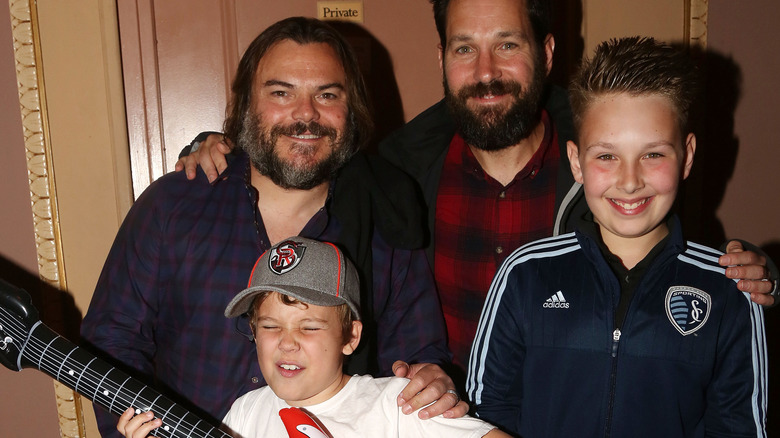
pixel 623 328
pixel 302 306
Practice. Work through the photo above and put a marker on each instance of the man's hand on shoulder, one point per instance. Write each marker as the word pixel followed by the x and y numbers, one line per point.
pixel 428 384
pixel 209 154
pixel 751 270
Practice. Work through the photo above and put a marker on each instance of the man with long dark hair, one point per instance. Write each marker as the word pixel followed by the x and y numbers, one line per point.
pixel 298 114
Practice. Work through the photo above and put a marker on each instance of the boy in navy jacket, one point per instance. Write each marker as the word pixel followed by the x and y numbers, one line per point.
pixel 622 328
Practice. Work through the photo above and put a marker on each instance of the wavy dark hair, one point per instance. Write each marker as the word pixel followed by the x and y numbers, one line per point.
pixel 538 13
pixel 301 30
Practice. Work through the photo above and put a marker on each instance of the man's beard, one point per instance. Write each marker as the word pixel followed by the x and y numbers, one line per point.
pixel 259 143
pixel 494 128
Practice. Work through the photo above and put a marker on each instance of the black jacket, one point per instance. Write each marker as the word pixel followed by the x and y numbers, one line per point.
pixel 420 146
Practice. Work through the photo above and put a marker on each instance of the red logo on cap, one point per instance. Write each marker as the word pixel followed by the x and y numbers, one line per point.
pixel 285 256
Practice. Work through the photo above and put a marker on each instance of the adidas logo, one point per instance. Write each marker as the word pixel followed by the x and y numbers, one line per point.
pixel 557 301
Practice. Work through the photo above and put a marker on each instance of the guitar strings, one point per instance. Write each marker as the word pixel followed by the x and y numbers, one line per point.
pixel 57 360
pixel 55 363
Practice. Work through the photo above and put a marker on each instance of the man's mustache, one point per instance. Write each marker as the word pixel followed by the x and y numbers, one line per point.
pixel 299 128
pixel 495 87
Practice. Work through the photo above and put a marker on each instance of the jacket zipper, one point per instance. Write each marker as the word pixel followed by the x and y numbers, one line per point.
pixel 612 382
pixel 616 334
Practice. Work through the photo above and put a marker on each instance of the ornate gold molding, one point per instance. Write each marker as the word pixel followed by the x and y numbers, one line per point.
pixel 697 22
pixel 32 100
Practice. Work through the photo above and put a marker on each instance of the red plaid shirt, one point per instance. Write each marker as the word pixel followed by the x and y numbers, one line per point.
pixel 479 223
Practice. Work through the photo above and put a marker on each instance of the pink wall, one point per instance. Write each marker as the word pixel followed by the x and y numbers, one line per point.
pixel 30 410
pixel 746 33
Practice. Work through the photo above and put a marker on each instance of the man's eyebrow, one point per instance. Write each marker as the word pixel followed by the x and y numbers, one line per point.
pixel 510 33
pixel 460 39
pixel 277 82
pixel 338 85
pixel 464 38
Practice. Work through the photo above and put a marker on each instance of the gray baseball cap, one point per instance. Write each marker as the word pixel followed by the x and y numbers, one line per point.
pixel 311 271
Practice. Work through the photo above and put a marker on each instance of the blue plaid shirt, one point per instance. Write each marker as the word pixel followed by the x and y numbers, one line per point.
pixel 185 249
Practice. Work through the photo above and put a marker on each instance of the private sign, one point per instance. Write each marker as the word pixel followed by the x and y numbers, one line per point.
pixel 342 11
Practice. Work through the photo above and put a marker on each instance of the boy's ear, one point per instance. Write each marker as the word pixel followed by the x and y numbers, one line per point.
pixel 252 327
pixel 357 330
pixel 690 151
pixel 574 160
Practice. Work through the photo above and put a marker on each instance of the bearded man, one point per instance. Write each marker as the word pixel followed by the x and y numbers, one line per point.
pixel 298 114
pixel 488 157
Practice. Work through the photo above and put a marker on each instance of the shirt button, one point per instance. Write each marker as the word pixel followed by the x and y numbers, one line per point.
pixel 533 172
pixel 255 380
pixel 499 250
pixel 502 195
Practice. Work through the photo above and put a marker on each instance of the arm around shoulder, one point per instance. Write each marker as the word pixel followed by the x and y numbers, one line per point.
pixel 207 150
pixel 756 272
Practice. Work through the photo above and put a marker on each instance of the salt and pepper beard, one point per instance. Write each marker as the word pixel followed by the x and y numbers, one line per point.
pixel 492 128
pixel 259 143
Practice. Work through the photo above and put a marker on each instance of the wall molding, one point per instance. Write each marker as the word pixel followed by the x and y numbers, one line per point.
pixel 40 172
pixel 696 12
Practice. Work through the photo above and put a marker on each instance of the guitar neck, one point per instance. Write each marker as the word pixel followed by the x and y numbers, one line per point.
pixel 107 386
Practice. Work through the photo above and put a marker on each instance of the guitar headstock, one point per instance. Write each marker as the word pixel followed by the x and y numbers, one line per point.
pixel 17 318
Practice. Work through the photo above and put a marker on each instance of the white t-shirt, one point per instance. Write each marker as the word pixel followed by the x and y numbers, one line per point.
pixel 365 407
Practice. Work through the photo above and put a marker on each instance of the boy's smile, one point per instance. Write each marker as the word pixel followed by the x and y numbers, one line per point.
pixel 631 160
pixel 300 349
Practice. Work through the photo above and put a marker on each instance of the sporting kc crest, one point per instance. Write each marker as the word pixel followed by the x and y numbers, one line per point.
pixel 285 257
pixel 687 308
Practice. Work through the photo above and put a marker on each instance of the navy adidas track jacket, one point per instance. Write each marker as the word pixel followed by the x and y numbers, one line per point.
pixel 689 360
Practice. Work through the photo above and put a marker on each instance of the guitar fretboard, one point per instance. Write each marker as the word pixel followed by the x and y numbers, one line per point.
pixel 96 380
